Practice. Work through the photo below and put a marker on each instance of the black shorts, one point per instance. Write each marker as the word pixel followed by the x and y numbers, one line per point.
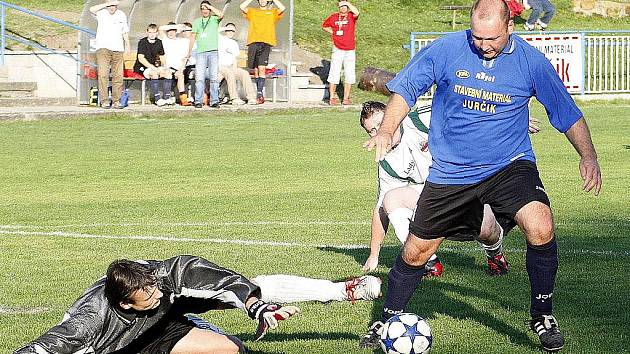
pixel 189 73
pixel 456 211
pixel 163 336
pixel 258 54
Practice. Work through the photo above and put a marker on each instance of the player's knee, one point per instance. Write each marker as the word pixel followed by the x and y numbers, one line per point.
pixel 229 345
pixel 414 255
pixel 541 232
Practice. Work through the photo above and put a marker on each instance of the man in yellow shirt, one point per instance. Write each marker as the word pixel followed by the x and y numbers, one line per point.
pixel 260 38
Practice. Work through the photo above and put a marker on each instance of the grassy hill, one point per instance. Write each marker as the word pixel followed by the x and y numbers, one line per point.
pixel 383 28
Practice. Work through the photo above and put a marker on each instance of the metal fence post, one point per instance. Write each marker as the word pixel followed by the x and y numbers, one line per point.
pixel 412 45
pixel 584 63
pixel 289 73
pixel 3 41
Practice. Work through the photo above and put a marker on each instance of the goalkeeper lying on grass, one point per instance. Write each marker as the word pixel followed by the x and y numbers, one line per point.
pixel 141 307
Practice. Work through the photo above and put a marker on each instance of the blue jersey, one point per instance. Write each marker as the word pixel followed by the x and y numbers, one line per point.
pixel 480 115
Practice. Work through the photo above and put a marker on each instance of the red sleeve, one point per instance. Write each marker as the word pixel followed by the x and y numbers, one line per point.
pixel 328 22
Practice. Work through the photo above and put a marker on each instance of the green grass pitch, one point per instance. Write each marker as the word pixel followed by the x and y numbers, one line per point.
pixel 76 194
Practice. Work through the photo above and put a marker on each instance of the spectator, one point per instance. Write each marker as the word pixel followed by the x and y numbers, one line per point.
pixel 175 51
pixel 189 71
pixel 205 33
pixel 261 36
pixel 229 52
pixel 150 63
pixel 341 26
pixel 112 39
pixel 539 7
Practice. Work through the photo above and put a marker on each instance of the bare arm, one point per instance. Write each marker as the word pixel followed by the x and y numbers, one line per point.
pixel 217 12
pixel 127 43
pixel 380 222
pixel 395 112
pixel 164 28
pixel 580 138
pixel 328 29
pixel 193 35
pixel 281 7
pixel 352 8
pixel 245 4
pixel 96 8
pixel 145 62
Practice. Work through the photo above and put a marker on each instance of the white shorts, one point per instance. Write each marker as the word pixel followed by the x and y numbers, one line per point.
pixel 347 58
pixel 160 72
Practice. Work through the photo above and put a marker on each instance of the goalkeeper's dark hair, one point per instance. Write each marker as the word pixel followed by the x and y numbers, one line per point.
pixel 368 109
pixel 124 277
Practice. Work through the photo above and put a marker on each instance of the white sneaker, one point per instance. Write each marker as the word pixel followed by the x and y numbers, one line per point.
pixel 171 101
pixel 541 25
pixel 366 287
pixel 161 102
pixel 238 101
pixel 252 102
pixel 528 27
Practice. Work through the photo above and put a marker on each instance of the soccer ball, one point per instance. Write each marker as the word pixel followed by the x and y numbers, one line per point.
pixel 406 333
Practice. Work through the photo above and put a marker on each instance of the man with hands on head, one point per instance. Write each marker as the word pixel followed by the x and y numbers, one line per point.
pixel 341 25
pixel 205 33
pixel 112 40
pixel 261 36
pixel 229 53
pixel 482 154
pixel 176 52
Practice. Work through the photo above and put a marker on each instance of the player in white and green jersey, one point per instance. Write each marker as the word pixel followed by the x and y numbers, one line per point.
pixel 401 177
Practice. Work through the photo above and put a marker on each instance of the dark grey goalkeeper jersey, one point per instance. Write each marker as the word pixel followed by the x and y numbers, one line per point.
pixel 190 285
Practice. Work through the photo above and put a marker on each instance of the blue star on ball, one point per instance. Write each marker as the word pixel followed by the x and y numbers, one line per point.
pixel 411 331
pixel 388 342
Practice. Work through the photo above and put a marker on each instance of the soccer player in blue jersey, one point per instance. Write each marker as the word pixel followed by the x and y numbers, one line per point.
pixel 482 153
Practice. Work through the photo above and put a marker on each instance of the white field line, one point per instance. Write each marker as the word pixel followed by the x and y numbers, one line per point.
pixel 193 224
pixel 250 223
pixel 4 310
pixel 625 253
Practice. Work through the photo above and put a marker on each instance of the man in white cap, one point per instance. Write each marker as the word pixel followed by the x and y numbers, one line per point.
pixel 229 52
pixel 341 26
pixel 112 39
pixel 175 52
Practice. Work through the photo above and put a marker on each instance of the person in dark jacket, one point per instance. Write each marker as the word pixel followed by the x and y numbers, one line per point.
pixel 141 307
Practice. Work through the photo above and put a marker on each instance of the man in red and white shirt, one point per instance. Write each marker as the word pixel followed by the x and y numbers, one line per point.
pixel 341 26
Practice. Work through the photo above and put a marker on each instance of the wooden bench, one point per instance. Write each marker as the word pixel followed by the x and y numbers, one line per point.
pixel 455 8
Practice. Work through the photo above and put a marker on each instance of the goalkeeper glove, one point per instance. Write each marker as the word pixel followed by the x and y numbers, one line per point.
pixel 268 316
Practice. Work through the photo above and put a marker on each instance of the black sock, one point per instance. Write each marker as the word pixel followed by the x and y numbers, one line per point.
pixel 403 282
pixel 166 88
pixel 260 85
pixel 542 265
pixel 155 88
